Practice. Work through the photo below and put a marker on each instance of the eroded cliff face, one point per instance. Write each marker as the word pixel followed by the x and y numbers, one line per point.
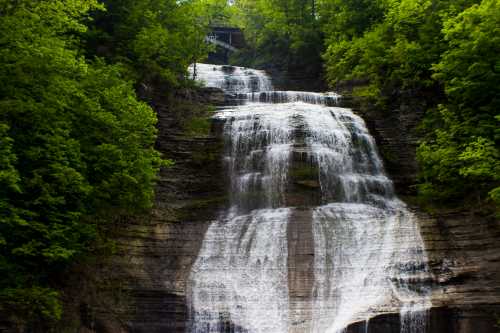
pixel 463 247
pixel 464 256
pixel 155 255
pixel 396 132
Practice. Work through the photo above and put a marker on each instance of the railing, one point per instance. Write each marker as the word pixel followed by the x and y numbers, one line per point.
pixel 213 39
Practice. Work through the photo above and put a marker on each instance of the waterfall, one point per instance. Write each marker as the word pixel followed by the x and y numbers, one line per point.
pixel 231 79
pixel 369 257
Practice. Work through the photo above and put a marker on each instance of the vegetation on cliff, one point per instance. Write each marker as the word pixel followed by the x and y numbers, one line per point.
pixel 446 51
pixel 76 143
pixel 396 51
pixel 281 34
pixel 155 40
pixel 461 155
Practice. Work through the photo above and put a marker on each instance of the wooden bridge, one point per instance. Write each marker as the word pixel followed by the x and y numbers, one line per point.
pixel 226 40
pixel 212 39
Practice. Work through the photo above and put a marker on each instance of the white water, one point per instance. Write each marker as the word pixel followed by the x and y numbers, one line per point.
pixel 290 96
pixel 231 79
pixel 369 257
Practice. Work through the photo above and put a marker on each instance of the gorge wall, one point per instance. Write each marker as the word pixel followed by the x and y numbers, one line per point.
pixel 155 255
pixel 462 246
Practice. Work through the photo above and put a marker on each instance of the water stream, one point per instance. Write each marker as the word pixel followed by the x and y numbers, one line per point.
pixel 369 258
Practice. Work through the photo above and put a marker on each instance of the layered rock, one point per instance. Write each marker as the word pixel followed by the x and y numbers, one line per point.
pixel 463 247
pixel 395 131
pixel 464 255
pixel 155 256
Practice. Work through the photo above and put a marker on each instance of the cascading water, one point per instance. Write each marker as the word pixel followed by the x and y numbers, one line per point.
pixel 231 79
pixel 369 257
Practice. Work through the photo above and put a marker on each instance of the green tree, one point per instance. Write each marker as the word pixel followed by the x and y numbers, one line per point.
pixel 440 54
pixel 76 149
pixel 344 20
pixel 462 153
pixel 396 51
pixel 156 39
pixel 283 34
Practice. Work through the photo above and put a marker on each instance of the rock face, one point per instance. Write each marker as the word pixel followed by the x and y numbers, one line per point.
pixel 463 247
pixel 156 254
pixel 397 138
pixel 297 79
pixel 464 255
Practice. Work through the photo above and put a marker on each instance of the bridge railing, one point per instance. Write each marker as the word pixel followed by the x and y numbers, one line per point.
pixel 213 39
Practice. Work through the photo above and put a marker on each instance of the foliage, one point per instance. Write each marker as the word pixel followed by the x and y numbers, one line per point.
pixel 443 51
pixel 466 145
pixel 281 33
pixel 158 39
pixel 76 147
pixel 343 20
pixel 396 51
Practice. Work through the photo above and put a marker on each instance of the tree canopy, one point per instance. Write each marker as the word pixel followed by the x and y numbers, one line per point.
pixel 283 34
pixel 461 155
pixel 400 51
pixel 76 144
pixel 156 39
pixel 444 51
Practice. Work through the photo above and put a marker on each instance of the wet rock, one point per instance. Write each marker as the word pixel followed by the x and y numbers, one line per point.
pixel 395 131
pixel 155 256
pixel 155 259
pixel 308 183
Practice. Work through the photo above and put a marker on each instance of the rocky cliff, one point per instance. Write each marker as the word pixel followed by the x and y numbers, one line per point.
pixel 463 246
pixel 464 255
pixel 155 254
